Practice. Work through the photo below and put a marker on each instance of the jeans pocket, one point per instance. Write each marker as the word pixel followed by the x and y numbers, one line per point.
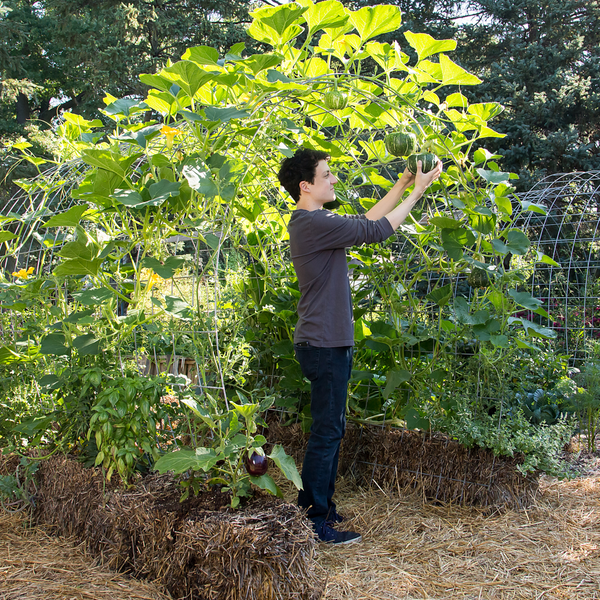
pixel 308 357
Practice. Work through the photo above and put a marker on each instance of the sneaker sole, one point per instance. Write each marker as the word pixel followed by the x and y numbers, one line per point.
pixel 352 541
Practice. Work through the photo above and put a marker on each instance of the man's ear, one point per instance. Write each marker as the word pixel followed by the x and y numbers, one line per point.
pixel 304 186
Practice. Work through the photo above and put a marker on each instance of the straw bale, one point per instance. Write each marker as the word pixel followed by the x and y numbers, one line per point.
pixel 36 566
pixel 434 465
pixel 196 549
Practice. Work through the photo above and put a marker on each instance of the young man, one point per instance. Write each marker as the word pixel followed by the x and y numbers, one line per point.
pixel 324 335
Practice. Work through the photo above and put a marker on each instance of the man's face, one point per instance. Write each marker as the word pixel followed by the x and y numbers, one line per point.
pixel 322 188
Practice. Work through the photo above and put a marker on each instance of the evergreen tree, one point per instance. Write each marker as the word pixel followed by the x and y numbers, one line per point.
pixel 72 52
pixel 541 60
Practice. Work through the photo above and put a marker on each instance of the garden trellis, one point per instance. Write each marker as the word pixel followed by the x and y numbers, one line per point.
pixel 165 240
pixel 563 224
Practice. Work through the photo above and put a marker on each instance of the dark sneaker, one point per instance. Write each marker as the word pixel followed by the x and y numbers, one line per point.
pixel 329 535
pixel 334 517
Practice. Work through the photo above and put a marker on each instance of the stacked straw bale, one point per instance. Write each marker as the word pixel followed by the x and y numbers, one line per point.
pixel 434 465
pixel 199 549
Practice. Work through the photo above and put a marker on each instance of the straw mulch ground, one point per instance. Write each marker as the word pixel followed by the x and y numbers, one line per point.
pixel 35 566
pixel 414 550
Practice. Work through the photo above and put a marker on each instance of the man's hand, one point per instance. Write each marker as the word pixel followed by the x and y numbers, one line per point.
pixel 424 180
pixel 406 179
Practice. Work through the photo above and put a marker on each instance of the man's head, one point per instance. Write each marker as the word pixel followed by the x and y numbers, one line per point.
pixel 300 168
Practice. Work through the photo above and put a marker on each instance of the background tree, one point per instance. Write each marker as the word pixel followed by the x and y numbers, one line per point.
pixel 541 60
pixel 72 52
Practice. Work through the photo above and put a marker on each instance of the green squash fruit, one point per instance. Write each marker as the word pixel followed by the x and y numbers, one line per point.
pixel 335 100
pixel 400 143
pixel 429 162
pixel 478 278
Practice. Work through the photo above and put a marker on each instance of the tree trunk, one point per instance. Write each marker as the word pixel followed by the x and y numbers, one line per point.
pixel 22 109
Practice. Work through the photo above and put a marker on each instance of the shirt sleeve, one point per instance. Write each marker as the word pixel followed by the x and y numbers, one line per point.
pixel 331 231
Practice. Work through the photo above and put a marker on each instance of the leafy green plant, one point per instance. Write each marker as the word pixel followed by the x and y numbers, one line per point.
pixel 17 491
pixel 204 168
pixel 229 437
pixel 125 423
pixel 586 402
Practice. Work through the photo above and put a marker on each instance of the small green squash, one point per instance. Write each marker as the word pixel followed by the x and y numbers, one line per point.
pixel 335 100
pixel 400 143
pixel 478 278
pixel 428 159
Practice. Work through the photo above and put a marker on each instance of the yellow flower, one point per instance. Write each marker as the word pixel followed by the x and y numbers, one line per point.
pixel 152 278
pixel 23 274
pixel 169 133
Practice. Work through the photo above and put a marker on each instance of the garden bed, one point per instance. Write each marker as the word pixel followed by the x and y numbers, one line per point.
pixel 197 549
pixel 433 465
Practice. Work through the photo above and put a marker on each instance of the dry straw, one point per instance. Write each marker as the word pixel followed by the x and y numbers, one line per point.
pixel 35 566
pixel 198 549
pixel 417 550
pixel 433 465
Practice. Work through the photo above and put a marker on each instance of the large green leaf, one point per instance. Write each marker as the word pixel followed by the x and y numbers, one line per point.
pixel 165 270
pixel 486 110
pixel 94 297
pixel 425 45
pixel 276 25
pixel 452 74
pixel 534 329
pixel 287 465
pixel 78 266
pixel 156 81
pixel 445 222
pixel 393 379
pixel 202 55
pixel 6 236
pixel 329 13
pixel 178 308
pixel 259 62
pixel 388 56
pixel 224 114
pixel 454 240
pixel 163 190
pixel 188 76
pixel 104 159
pixel 371 21
pixel 482 220
pixel 131 198
pixel 517 242
pixel 494 177
pixel 87 344
pixel 441 295
pixel 246 410
pixel 69 218
pixel 180 461
pixel 83 246
pixel 526 300
pixel 165 103
pixel 265 482
pixel 200 178
pixel 54 343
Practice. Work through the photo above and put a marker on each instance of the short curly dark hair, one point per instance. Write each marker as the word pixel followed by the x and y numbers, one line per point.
pixel 300 167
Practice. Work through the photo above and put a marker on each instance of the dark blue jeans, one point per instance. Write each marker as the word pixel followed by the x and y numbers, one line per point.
pixel 328 370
